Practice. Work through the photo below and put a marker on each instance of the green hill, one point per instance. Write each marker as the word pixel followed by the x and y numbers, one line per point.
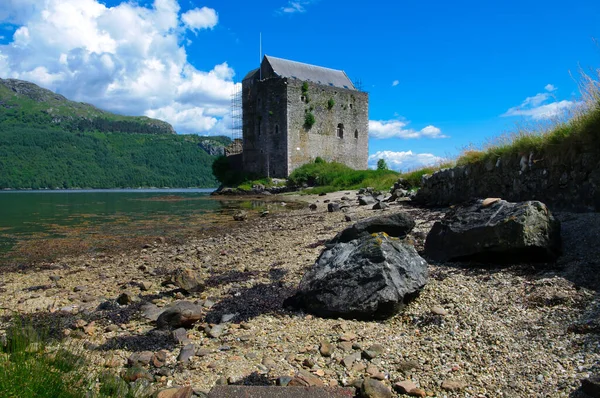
pixel 47 141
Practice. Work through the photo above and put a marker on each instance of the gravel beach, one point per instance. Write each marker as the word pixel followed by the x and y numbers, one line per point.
pixel 474 331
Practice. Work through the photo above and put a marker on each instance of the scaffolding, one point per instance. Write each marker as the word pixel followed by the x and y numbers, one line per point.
pixel 236 119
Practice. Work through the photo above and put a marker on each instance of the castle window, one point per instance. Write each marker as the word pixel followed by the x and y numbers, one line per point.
pixel 276 129
pixel 351 106
pixel 340 130
pixel 356 134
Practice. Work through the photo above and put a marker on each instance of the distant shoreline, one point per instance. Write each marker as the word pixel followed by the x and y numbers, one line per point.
pixel 112 190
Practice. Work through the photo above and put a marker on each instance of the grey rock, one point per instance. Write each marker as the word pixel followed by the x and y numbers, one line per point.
pixel 349 360
pixel 380 206
pixel 372 388
pixel 283 381
pixel 215 331
pixel 186 353
pixel 180 336
pixel 397 225
pixel 151 311
pixel 591 386
pixel 333 207
pixel 373 351
pixel 312 206
pixel 140 358
pixel 240 216
pixel 366 200
pixel 367 278
pixel 499 233
pixel 180 314
pixel 187 279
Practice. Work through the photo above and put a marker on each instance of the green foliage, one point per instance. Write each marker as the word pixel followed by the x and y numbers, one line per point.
pixel 304 87
pixel 29 369
pixel 227 175
pixel 336 176
pixel 382 165
pixel 330 104
pixel 309 120
pixel 36 157
pixel 319 159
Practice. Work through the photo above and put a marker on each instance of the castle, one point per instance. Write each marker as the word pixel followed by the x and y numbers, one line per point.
pixel 295 112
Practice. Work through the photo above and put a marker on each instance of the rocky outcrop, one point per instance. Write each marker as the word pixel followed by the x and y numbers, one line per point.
pixel 366 278
pixel 496 231
pixel 571 183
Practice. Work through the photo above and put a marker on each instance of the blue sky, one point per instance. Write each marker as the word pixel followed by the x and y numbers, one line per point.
pixel 441 75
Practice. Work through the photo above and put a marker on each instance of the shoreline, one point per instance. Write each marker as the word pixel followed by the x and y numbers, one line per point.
pixel 506 331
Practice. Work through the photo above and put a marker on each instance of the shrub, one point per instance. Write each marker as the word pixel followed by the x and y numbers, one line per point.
pixel 319 159
pixel 330 104
pixel 309 120
pixel 382 165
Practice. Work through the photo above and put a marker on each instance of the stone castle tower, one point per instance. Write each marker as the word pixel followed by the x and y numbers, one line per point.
pixel 279 101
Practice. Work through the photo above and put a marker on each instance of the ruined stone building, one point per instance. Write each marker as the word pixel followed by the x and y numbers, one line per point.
pixel 295 112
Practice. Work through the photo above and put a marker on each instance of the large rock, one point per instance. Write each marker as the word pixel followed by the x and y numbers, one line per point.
pixel 180 314
pixel 366 278
pixel 496 231
pixel 397 225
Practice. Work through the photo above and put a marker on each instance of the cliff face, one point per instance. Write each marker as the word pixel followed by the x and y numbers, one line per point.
pixel 25 102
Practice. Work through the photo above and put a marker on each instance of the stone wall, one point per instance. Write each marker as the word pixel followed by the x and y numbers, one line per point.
pixel 350 112
pixel 564 182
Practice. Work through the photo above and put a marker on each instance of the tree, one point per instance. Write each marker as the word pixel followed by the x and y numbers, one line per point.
pixel 382 165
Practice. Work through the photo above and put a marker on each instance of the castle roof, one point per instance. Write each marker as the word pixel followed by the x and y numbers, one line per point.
pixel 307 72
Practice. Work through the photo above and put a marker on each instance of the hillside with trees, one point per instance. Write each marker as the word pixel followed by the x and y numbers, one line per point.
pixel 47 141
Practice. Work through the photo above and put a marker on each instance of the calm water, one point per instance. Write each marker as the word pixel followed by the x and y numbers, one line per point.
pixel 39 225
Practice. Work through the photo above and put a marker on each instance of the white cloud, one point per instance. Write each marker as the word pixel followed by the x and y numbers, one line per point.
pixel 296 6
pixel 200 18
pixel 127 58
pixel 395 83
pixel 404 161
pixel 541 106
pixel 398 129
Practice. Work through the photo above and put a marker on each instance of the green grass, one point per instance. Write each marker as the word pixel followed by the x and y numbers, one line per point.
pixel 33 366
pixel 329 177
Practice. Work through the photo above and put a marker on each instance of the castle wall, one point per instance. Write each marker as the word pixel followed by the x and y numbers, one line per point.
pixel 350 109
pixel 264 129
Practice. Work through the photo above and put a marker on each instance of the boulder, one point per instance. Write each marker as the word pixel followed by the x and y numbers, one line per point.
pixel 180 314
pixel 367 278
pixel 380 206
pixel 397 225
pixel 497 232
pixel 240 216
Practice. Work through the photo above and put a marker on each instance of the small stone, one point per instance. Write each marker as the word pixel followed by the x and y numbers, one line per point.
pixel 180 336
pixel 304 378
pixel 358 367
pixel 186 353
pixel 489 201
pixel 417 392
pixel 345 346
pixel 240 216
pixel 309 363
pixel 333 207
pixel 453 385
pixel 437 310
pixel 373 351
pixel 326 349
pixel 372 369
pixel 405 386
pixel 125 298
pixel 140 358
pixel 350 359
pixel 372 388
pixel 202 352
pixel 175 392
pixel 112 328
pixel 348 336
pixel 159 358
pixel 145 285
pixel 268 362
pixel 216 331
pixel 54 278
pixel 221 381
pixel 283 381
pixel 406 366
pixel 78 288
pixel 136 373
pixel 312 206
